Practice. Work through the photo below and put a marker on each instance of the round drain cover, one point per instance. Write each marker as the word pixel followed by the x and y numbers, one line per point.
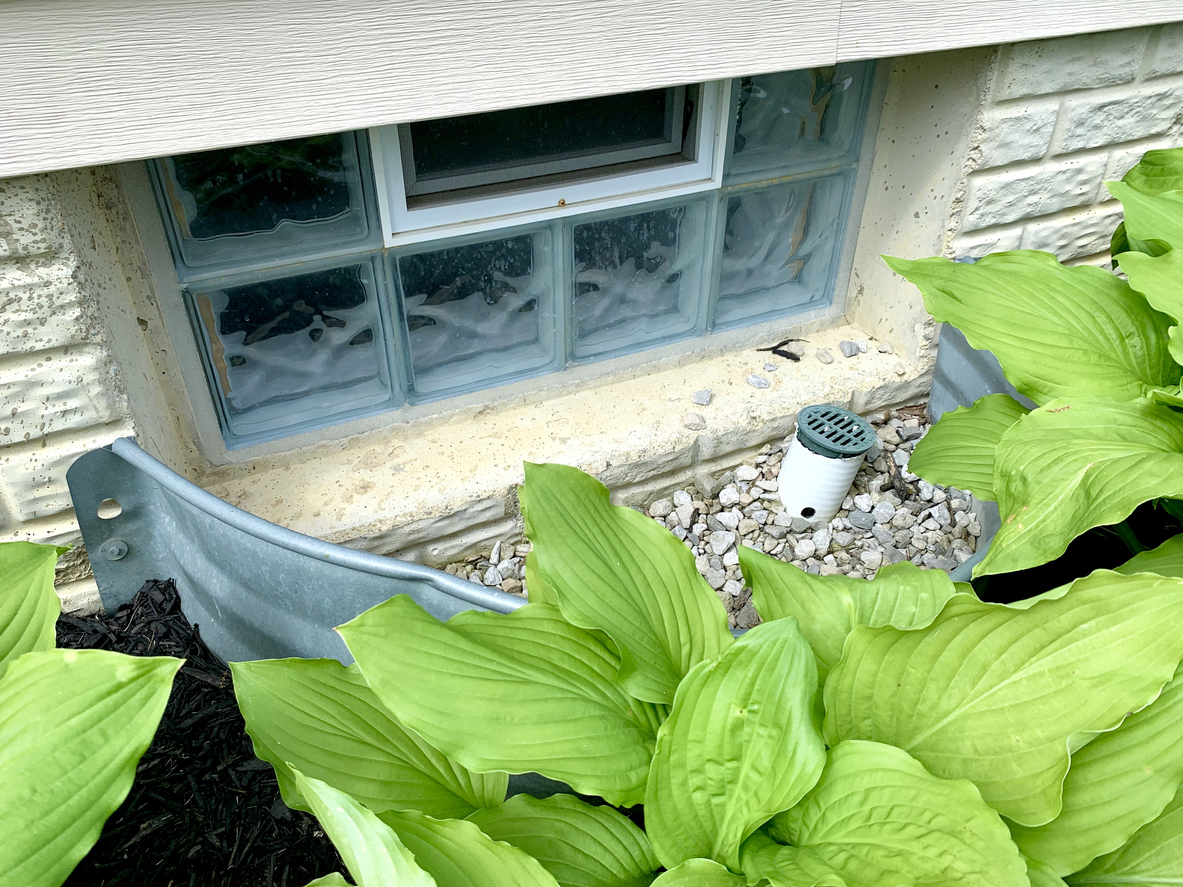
pixel 834 432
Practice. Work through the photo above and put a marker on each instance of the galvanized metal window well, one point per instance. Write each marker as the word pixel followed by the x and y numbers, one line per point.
pixel 317 294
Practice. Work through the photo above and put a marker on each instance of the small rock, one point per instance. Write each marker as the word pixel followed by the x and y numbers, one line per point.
pixel 512 586
pixel 702 398
pixel 805 549
pixel 861 520
pixel 872 558
pixel 911 432
pixel 681 497
pixel 887 434
pixel 733 588
pixel 685 514
pixel 883 512
pixel 694 421
pixel 893 555
pixel 900 457
pixel 661 508
pixel 782 519
pixel 883 535
pixel 821 540
pixel 903 519
pixel 843 539
pixel 721 541
pixel 974 528
pixel 848 348
pixel 729 520
pixel 800 525
pixel 926 490
pixel 728 496
pixel 493 577
pixel 747 526
pixel 760 516
pixel 776 532
pixel 746 473
pixel 747 617
pixel 884 348
pixel 731 558
pixel 768 486
pixel 496 555
pixel 702 563
pixel 862 346
pixel 941 515
pixel 758 381
pixel 824 355
pixel 863 502
pixel 716 578
pixel 898 368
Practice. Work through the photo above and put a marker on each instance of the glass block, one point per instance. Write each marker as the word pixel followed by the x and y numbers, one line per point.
pixel 780 248
pixel 294 352
pixel 478 313
pixel 238 206
pixel 796 121
pixel 637 279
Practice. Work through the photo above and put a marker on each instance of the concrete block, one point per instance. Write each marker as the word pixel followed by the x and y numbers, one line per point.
pixel 1091 122
pixel 1075 235
pixel 1085 61
pixel 1122 160
pixel 39 306
pixel 30 222
pixel 1166 54
pixel 51 391
pixel 430 529
pixel 1016 133
pixel 977 246
pixel 996 198
pixel 33 474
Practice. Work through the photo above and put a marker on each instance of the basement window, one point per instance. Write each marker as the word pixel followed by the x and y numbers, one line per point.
pixel 344 275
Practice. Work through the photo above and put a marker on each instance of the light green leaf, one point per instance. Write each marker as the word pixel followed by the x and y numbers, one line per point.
pixel 699 873
pixel 29 606
pixel 1160 281
pixel 739 746
pixel 959 450
pixel 458 854
pixel 762 857
pixel 1001 696
pixel 1167 397
pixel 1166 560
pixel 828 607
pixel 581 845
pixel 324 720
pixel 1077 464
pixel 1153 222
pixel 1041 875
pixel 369 848
pixel 616 571
pixel 879 819
pixel 1117 783
pixel 1153 857
pixel 1159 170
pixel 1058 331
pixel 523 692
pixel 73 725
pixel 333 879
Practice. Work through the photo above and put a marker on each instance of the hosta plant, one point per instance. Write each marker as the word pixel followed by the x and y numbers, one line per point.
pixel 73 725
pixel 1098 353
pixel 868 734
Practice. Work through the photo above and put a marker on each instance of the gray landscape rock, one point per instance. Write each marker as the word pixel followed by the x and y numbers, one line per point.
pixel 758 381
pixel 694 421
pixel 848 348
pixel 824 355
pixel 861 520
pixel 721 540
pixel 728 497
pixel 701 397
pixel 661 508
pixel 883 512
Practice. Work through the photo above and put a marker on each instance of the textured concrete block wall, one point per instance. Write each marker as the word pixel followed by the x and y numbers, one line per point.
pixel 60 391
pixel 1061 117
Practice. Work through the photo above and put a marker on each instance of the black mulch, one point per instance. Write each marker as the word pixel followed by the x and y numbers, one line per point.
pixel 203 810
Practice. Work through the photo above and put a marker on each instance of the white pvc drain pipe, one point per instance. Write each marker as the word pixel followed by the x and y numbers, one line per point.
pixel 822 460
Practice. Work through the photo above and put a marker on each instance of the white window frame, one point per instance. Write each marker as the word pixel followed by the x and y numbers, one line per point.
pixel 402 225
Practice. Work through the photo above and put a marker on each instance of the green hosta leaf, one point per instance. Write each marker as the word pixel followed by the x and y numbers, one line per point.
pixel 1058 331
pixel 1167 397
pixel 581 845
pixel 521 692
pixel 1166 560
pixel 1042 875
pixel 323 719
pixel 762 857
pixel 739 746
pixel 333 879
pixel 879 819
pixel 959 450
pixel 616 571
pixel 1153 222
pixel 1157 171
pixel 73 725
pixel 1078 464
pixel 370 849
pixel 1117 783
pixel 699 873
pixel 828 607
pixel 1152 858
pixel 1160 281
pixel 1000 696
pixel 458 854
pixel 29 606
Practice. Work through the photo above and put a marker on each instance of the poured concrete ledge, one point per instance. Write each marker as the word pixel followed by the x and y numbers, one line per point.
pixel 441 488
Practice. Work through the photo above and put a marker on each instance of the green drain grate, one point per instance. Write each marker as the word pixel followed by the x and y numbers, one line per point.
pixel 834 432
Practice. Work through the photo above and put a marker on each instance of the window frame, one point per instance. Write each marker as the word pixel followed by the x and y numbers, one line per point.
pixel 612 187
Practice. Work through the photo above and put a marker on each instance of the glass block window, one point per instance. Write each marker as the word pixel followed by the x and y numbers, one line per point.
pixel 302 316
